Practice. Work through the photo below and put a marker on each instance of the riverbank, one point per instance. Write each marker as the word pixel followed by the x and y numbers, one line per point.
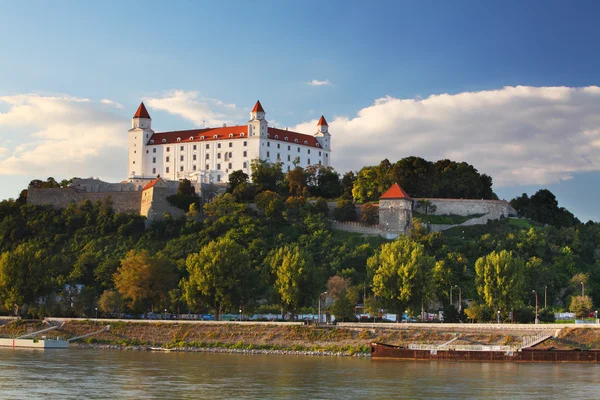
pixel 291 339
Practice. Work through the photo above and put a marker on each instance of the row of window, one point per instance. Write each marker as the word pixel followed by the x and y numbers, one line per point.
pixel 194 157
pixel 201 138
pixel 194 147
pixel 207 167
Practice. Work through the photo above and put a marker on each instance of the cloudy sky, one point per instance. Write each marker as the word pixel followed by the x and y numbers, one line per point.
pixel 511 87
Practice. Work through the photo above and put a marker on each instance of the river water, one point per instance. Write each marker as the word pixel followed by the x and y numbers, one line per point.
pixel 105 374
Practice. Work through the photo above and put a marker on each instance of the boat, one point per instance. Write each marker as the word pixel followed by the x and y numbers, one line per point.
pixel 35 343
pixel 523 355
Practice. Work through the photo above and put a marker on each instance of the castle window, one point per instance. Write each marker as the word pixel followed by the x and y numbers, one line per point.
pixel 230 154
pixel 152 142
pixel 146 151
pixel 219 166
pixel 168 149
pixel 230 144
pixel 218 144
pixel 244 165
pixel 278 156
pixel 194 157
pixel 153 160
pixel 218 155
pixel 181 148
pixel 194 167
pixel 268 144
pixel 295 140
pixel 276 136
pixel 201 137
pixel 317 144
pixel 181 168
pixel 206 167
pixel 308 151
pixel 154 170
pixel 245 143
pixel 288 169
pixel 231 135
pixel 215 136
pixel 179 139
pixel 288 157
pixel 278 146
pixel 218 178
pixel 308 163
pixel 180 158
pixel 289 148
pixel 229 165
pixel 286 139
pixel 207 156
pixel 194 147
pixel 164 140
pixel 326 155
pixel 167 170
pixel 298 149
pixel 319 162
pixel 245 153
pixel 306 142
pixel 268 155
pixel 208 147
pixel 191 138
pixel 167 160
pixel 134 162
pixel 241 135
pixel 319 154
pixel 154 150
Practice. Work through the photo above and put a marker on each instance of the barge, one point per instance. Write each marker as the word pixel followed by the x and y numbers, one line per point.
pixel 524 355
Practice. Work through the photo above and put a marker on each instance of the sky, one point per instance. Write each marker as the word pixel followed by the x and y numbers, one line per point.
pixel 511 87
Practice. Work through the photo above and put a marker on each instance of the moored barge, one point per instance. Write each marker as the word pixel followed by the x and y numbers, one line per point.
pixel 531 354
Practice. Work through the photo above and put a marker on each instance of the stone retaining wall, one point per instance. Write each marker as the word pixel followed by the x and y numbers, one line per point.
pixel 127 202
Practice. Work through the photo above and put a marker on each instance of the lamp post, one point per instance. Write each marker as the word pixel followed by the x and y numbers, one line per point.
pixel 536 307
pixel 165 313
pixel 596 316
pixel 96 309
pixel 582 290
pixel 451 294
pixel 241 316
pixel 319 316
pixel 459 298
pixel 545 304
pixel 498 317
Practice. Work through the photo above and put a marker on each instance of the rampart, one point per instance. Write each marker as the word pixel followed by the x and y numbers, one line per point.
pixel 465 207
pixel 356 227
pixel 127 202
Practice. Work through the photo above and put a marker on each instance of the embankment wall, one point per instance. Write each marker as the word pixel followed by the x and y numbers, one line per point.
pixel 127 202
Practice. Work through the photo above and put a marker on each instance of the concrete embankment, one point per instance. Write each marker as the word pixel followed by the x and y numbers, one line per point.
pixel 295 339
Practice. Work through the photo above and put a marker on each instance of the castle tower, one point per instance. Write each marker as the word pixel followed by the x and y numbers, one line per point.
pixel 322 134
pixel 395 212
pixel 139 135
pixel 258 125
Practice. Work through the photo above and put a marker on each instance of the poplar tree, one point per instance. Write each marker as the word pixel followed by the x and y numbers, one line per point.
pixel 499 280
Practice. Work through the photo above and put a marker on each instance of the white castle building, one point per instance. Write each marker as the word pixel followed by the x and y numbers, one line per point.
pixel 211 154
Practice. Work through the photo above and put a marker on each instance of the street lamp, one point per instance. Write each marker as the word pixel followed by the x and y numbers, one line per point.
pixel 319 316
pixel 165 313
pixel 596 316
pixel 96 309
pixel 545 304
pixel 498 317
pixel 241 316
pixel 536 307
pixel 459 298
pixel 451 294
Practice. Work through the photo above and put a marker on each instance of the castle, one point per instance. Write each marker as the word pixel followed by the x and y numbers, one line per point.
pixel 209 155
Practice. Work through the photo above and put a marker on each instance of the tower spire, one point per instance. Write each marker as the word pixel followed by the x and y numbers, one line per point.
pixel 142 112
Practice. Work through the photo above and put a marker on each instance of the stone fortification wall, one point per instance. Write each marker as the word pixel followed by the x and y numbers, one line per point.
pixel 128 202
pixel 494 208
pixel 356 227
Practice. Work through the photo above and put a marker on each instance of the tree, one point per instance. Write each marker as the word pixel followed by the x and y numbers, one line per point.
pixel 224 205
pixel 499 280
pixel 347 184
pixel 144 280
pixel 581 306
pixel 369 214
pixel 296 181
pixel 295 275
pixel 336 285
pixel 186 188
pixel 110 302
pixel 270 203
pixel 221 272
pixel 266 175
pixel 344 211
pixel 427 206
pixel 343 307
pixel 323 181
pixel 236 178
pixel 403 274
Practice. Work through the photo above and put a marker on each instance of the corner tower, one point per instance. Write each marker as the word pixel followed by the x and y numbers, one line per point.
pixel 258 125
pixel 322 134
pixel 139 134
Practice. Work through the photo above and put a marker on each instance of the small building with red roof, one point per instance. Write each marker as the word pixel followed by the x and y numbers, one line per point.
pixel 395 211
pixel 209 155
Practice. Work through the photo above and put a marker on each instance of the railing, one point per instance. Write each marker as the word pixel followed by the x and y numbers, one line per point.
pixel 461 347
pixel 529 341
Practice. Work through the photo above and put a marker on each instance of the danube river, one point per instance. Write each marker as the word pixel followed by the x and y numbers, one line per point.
pixel 102 374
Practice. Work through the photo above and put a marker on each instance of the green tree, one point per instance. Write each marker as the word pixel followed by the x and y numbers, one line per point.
pixel 295 276
pixel 221 272
pixel 110 302
pixel 403 274
pixel 581 306
pixel 186 188
pixel 296 181
pixel 344 211
pixel 144 280
pixel 236 178
pixel 266 175
pixel 347 184
pixel 369 214
pixel 499 280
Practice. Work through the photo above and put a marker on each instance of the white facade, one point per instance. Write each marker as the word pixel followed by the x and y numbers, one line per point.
pixel 211 154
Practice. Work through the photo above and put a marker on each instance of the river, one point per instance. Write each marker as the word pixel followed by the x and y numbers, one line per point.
pixel 102 374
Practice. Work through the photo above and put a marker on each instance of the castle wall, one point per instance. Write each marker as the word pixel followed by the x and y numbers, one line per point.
pixel 127 202
pixel 465 207
pixel 395 215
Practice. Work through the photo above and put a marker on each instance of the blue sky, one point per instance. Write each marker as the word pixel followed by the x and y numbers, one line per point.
pixel 386 68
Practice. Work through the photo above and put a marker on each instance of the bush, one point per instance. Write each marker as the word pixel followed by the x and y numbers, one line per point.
pixel 344 211
pixel 183 202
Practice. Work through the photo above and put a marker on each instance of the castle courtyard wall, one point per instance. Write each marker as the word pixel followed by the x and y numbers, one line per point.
pixel 127 202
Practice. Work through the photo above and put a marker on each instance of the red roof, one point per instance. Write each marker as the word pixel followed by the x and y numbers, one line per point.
pixel 229 133
pixel 151 184
pixel 258 107
pixel 142 112
pixel 322 121
pixel 395 192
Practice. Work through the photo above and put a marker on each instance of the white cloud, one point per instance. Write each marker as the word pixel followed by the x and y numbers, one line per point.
pixel 316 82
pixel 200 110
pixel 61 136
pixel 111 103
pixel 519 135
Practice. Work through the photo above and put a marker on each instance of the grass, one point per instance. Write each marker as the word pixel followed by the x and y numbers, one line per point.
pixel 446 219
